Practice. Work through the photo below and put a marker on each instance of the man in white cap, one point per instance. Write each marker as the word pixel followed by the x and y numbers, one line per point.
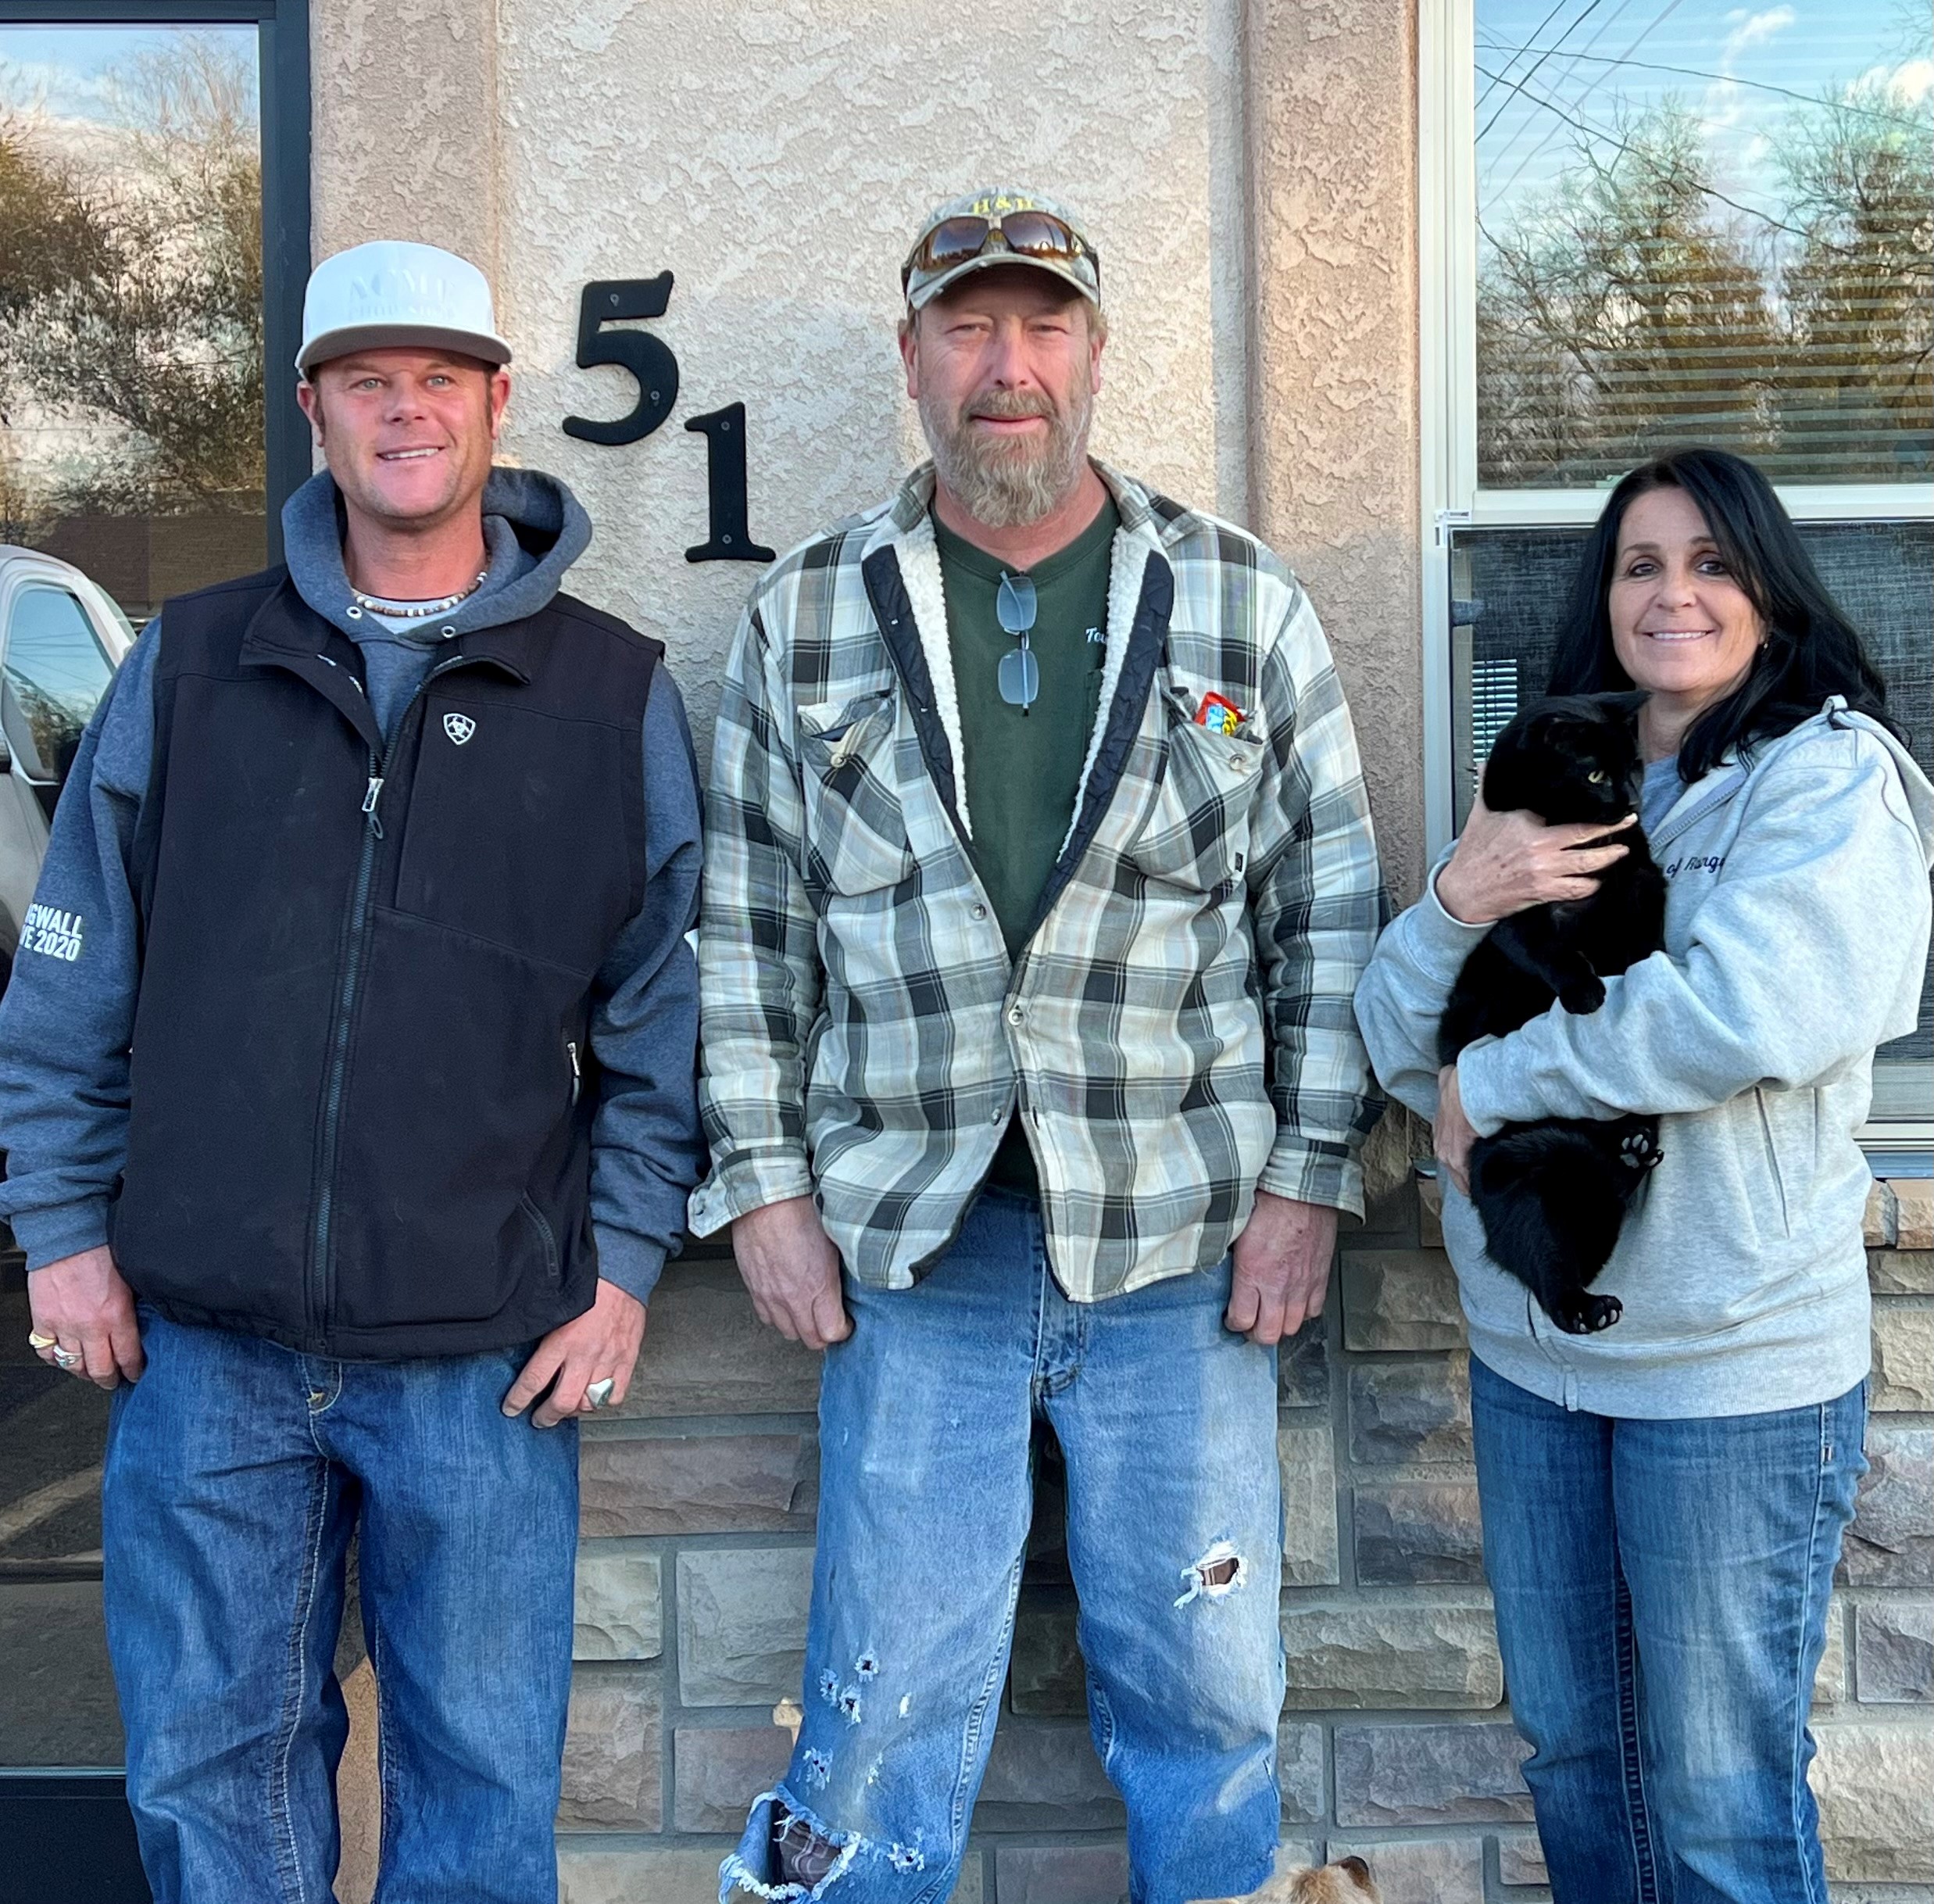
pixel 362 1119
pixel 1038 878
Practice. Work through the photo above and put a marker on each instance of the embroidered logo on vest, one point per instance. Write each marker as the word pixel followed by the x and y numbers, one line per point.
pixel 459 727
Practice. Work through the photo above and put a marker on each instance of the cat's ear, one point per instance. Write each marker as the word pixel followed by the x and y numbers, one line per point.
pixel 1354 1865
pixel 1627 704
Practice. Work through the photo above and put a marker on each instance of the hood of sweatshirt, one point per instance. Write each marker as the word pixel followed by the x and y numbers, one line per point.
pixel 534 529
pixel 1912 799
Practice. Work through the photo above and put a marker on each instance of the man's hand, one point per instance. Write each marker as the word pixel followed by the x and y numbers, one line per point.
pixel 1451 1134
pixel 791 1267
pixel 1282 1267
pixel 602 1344
pixel 82 1302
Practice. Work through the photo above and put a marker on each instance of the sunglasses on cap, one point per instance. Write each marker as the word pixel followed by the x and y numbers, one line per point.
pixel 1027 235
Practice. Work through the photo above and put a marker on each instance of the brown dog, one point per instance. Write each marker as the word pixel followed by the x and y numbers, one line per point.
pixel 1346 1881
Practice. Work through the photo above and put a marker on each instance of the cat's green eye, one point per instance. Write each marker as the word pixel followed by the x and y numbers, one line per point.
pixel 1597 776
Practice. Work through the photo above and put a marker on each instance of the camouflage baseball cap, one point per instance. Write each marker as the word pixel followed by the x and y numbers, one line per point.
pixel 1005 225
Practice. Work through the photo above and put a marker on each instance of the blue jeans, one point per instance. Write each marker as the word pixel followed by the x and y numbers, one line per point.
pixel 1167 1423
pixel 236 1471
pixel 1661 1589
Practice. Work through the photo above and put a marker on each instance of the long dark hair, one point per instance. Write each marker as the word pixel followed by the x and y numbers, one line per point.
pixel 1811 649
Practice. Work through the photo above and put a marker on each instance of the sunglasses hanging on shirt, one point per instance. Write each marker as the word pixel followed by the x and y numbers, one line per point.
pixel 1020 676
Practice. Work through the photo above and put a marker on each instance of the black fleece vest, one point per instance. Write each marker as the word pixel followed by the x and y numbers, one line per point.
pixel 362 1099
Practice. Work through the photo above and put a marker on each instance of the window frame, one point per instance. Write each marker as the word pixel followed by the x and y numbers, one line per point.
pixel 1449 496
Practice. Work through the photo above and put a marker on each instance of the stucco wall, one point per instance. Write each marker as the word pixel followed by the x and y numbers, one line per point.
pixel 1331 85
pixel 1245 170
pixel 403 132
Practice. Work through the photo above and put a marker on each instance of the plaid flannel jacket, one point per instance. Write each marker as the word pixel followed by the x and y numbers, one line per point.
pixel 1177 1029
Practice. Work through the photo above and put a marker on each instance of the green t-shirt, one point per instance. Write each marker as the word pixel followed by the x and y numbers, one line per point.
pixel 1023 769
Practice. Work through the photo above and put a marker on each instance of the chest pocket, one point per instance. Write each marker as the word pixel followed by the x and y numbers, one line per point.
pixel 518 830
pixel 1196 833
pixel 856 832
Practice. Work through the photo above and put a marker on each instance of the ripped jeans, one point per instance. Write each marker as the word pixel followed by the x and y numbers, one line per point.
pixel 1167 1423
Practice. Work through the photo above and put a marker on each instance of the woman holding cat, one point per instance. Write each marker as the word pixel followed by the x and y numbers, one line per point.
pixel 1664 1502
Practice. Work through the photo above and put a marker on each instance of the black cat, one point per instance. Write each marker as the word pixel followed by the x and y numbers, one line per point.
pixel 1552 1195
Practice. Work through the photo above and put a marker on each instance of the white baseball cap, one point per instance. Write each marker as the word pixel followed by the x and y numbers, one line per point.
pixel 389 293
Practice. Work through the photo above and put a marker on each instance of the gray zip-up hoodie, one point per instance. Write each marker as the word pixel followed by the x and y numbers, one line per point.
pixel 1796 942
pixel 65 1026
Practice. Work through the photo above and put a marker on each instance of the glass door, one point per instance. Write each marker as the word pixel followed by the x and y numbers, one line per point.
pixel 154 231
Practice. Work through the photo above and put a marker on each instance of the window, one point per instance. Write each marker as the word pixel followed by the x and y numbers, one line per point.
pixel 1702 223
pixel 1648 222
pixel 56 673
pixel 154 240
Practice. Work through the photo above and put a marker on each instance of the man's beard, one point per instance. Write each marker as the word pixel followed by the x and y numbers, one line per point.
pixel 1007 482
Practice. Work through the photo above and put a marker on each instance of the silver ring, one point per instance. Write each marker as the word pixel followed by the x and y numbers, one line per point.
pixel 598 1394
pixel 67 1358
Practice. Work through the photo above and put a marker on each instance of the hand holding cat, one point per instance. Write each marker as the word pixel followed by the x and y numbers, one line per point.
pixel 1451 1134
pixel 1507 861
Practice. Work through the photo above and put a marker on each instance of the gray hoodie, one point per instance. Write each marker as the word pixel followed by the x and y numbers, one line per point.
pixel 65 1026
pixel 1796 942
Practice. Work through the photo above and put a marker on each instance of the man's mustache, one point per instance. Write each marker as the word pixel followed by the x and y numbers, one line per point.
pixel 1010 403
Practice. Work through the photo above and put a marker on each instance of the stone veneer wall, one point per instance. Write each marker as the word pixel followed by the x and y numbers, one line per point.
pixel 1397 1741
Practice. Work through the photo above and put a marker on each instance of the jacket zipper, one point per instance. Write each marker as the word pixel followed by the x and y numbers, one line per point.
pixel 577 1070
pixel 321 1276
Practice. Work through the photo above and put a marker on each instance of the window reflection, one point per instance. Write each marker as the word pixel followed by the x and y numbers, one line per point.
pixel 131 446
pixel 56 674
pixel 131 421
pixel 1699 222
pixel 57 1704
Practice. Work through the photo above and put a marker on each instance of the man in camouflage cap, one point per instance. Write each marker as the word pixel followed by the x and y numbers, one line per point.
pixel 1038 878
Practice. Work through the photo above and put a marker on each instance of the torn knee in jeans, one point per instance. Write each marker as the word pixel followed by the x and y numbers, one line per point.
pixel 808 1853
pixel 805 1854
pixel 793 1855
pixel 1217 1575
pixel 787 1853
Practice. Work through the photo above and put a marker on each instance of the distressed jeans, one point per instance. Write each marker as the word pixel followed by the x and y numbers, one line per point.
pixel 236 1471
pixel 1661 1589
pixel 1167 1423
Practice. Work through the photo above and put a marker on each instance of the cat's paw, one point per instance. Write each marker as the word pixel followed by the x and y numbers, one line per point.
pixel 1638 1150
pixel 1588 1314
pixel 1582 996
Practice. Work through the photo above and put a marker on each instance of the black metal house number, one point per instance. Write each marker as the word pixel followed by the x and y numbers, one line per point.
pixel 649 362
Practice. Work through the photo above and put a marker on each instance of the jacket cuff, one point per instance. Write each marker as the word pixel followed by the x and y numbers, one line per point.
pixel 629 1261
pixel 65 1229
pixel 1313 1173
pixel 750 1181
pixel 1441 942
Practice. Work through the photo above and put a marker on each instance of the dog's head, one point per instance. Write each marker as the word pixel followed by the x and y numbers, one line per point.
pixel 1346 1881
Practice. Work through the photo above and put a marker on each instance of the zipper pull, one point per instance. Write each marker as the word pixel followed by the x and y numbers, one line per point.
pixel 576 1071
pixel 369 803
